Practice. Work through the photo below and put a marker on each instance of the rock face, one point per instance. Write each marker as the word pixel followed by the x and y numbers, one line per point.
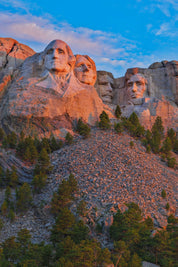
pixel 47 96
pixel 149 92
pixel 50 90
pixel 12 55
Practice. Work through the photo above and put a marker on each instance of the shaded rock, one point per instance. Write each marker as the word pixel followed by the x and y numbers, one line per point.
pixel 12 55
pixel 46 95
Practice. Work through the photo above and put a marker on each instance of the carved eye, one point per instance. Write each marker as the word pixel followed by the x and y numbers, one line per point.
pixel 50 51
pixel 60 51
pixel 89 66
pixel 139 83
pixel 129 84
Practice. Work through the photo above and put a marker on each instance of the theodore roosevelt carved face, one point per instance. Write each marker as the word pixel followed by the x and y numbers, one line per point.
pixel 85 69
pixel 58 57
pixel 136 86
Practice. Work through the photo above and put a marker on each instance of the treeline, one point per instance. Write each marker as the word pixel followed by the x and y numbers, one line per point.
pixel 72 245
pixel 154 140
pixel 134 240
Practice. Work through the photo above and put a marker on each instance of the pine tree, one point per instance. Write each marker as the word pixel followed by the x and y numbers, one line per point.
pixel 118 112
pixel 24 197
pixel 172 135
pixel 158 127
pixel 83 129
pixel 43 165
pixel 2 134
pixel 167 146
pixel 118 128
pixel 69 138
pixel 13 177
pixel 104 122
pixel 134 119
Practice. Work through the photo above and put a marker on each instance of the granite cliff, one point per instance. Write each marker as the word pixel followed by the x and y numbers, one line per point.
pixel 50 90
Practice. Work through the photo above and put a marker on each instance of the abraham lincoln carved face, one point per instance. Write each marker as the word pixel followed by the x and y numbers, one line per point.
pixel 136 86
pixel 85 69
pixel 58 57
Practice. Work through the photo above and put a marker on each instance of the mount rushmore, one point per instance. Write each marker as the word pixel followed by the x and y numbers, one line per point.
pixel 44 93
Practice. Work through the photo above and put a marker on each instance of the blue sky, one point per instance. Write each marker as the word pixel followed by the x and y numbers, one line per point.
pixel 117 34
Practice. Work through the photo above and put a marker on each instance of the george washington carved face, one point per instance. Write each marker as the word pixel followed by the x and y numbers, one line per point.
pixel 136 86
pixel 58 57
pixel 85 69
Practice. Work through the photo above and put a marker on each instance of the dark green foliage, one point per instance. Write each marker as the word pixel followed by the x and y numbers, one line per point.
pixel 22 136
pixel 175 147
pixel 133 125
pixel 2 134
pixel 64 195
pixel 45 144
pixel 69 138
pixel 39 181
pixel 83 129
pixel 43 165
pixel 13 177
pixel 156 141
pixel 8 194
pixel 167 146
pixel 2 177
pixel 54 144
pixel 171 162
pixel 26 149
pixel 24 197
pixel 104 122
pixel 63 226
pixel 118 128
pixel 134 119
pixel 1 226
pixel 163 193
pixel 4 208
pixel 158 126
pixel 118 112
pixel 12 140
pixel 167 206
pixel 131 144
pixel 172 135
pixel 81 208
pixel 134 243
pixel 79 232
pixel 148 148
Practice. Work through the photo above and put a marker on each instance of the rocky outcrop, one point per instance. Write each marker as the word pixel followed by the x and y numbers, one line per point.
pixel 150 92
pixel 46 95
pixel 12 55
pixel 24 172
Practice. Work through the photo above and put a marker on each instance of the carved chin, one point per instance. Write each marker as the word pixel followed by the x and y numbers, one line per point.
pixel 87 80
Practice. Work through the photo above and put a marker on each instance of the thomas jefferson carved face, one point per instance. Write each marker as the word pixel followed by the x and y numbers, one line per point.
pixel 136 86
pixel 58 57
pixel 85 70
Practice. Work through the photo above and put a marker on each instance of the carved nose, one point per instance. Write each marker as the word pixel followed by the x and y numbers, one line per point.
pixel 134 88
pixel 54 54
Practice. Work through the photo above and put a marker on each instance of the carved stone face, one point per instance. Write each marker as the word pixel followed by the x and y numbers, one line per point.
pixel 57 57
pixel 136 86
pixel 85 70
pixel 106 91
